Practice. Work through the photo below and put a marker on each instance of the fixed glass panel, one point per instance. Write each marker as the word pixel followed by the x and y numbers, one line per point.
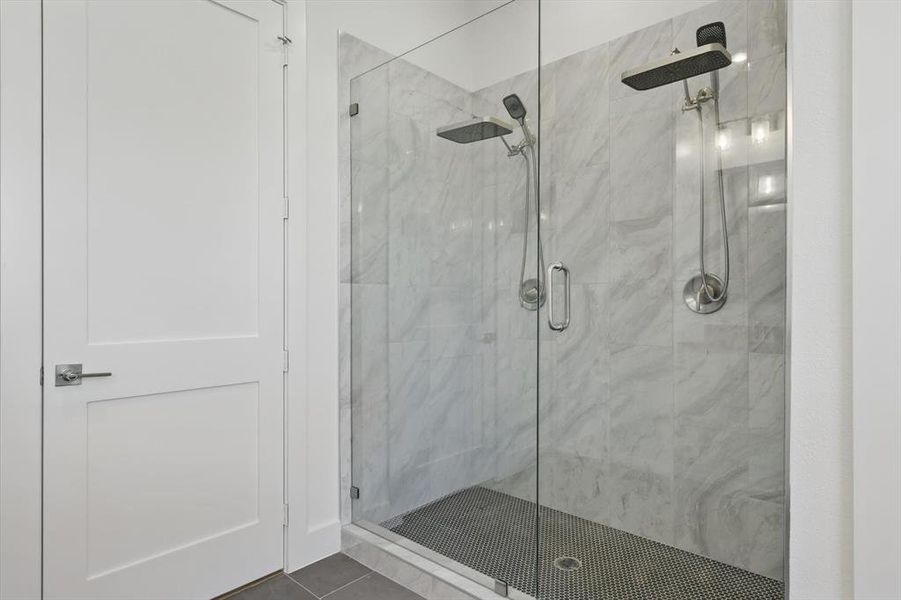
pixel 445 282
pixel 662 407
pixel 545 391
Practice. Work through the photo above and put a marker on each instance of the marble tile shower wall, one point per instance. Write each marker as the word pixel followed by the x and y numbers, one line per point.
pixel 653 419
pixel 421 423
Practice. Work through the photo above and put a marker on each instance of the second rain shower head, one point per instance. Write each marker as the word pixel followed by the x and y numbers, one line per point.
pixel 710 55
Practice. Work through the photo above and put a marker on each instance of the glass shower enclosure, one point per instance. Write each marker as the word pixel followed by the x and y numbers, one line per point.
pixel 565 287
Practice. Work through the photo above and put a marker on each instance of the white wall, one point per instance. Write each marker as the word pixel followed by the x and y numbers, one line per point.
pixel 877 316
pixel 20 299
pixel 820 292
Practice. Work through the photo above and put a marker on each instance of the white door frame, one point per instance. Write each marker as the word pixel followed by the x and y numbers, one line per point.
pixel 20 299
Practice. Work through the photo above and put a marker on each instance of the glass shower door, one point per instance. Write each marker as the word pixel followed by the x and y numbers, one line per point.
pixel 446 281
pixel 544 397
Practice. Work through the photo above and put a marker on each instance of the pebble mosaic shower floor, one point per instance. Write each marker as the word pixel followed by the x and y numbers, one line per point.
pixel 493 533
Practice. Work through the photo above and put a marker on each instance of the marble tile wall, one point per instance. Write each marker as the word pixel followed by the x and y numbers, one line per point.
pixel 651 419
pixel 420 425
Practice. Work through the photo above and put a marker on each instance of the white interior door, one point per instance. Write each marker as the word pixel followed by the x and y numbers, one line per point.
pixel 163 237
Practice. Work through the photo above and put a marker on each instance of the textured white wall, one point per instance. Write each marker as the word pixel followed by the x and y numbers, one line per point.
pixel 877 317
pixel 820 291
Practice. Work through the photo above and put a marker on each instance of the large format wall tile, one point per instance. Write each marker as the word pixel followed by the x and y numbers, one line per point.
pixel 635 49
pixel 766 266
pixel 578 234
pixel 575 125
pixel 370 391
pixel 640 300
pixel 641 157
pixel 766 28
pixel 767 84
pixel 641 406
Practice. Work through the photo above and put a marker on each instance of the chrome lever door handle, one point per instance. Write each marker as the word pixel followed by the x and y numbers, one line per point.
pixel 71 374
pixel 558 325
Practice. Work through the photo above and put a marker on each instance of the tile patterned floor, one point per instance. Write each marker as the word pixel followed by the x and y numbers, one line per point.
pixel 494 533
pixel 337 577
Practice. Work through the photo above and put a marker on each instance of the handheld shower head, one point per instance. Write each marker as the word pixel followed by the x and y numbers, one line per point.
pixel 515 107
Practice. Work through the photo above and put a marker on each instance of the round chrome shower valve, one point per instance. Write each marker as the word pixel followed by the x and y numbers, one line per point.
pixel 532 294
pixel 697 300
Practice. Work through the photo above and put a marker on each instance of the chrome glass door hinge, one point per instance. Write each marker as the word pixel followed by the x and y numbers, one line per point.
pixel 284 361
pixel 285 514
pixel 285 207
pixel 286 41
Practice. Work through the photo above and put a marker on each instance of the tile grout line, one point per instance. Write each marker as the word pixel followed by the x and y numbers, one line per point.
pixel 349 583
pixel 302 586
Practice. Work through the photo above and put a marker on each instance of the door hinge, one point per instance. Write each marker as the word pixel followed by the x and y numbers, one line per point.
pixel 354 492
pixel 354 109
pixel 285 207
pixel 42 376
pixel 285 515
pixel 284 361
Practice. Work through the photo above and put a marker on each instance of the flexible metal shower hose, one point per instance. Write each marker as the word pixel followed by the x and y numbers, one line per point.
pixel 722 198
pixel 530 160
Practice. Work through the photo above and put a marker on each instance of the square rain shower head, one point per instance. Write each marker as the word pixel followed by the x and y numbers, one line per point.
pixel 677 67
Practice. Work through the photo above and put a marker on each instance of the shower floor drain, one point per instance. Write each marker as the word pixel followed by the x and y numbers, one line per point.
pixel 568 563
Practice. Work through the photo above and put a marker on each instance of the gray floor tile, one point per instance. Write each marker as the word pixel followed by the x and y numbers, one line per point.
pixel 374 587
pixel 330 573
pixel 279 587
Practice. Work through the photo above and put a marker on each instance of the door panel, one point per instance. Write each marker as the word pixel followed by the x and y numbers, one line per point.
pixel 164 266
pixel 188 178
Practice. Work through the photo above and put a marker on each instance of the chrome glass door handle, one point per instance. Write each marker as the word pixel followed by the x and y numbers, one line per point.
pixel 557 325
pixel 71 374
